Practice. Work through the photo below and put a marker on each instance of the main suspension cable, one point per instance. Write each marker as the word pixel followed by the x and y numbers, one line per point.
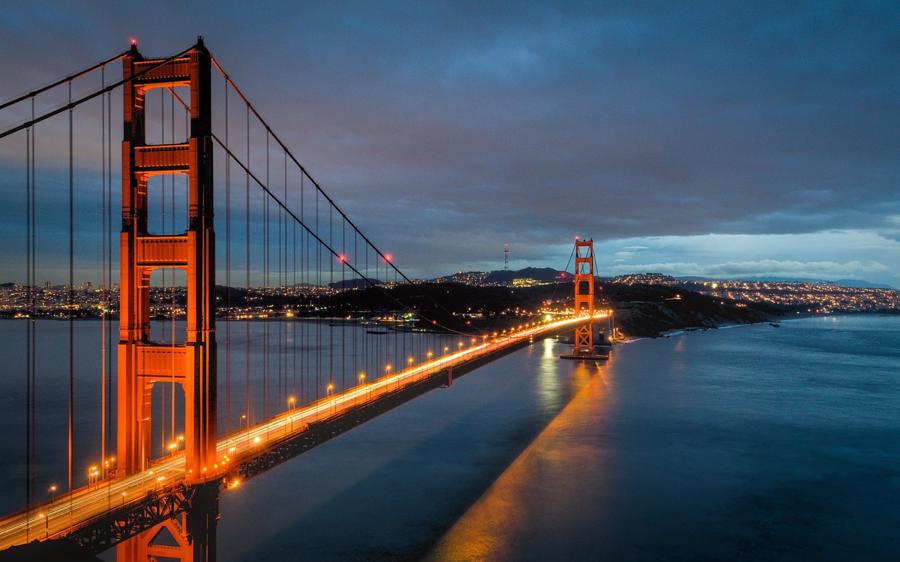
pixel 73 104
pixel 34 93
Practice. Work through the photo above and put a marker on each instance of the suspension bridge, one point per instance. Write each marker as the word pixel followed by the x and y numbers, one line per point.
pixel 199 391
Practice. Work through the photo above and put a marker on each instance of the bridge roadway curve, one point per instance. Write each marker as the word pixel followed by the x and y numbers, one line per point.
pixel 71 510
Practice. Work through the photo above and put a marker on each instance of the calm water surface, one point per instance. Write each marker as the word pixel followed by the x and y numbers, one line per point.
pixel 746 443
pixel 749 443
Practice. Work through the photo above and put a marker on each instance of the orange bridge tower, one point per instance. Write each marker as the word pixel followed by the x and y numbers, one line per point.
pixel 584 295
pixel 141 362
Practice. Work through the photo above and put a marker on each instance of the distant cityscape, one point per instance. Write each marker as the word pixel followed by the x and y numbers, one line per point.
pixel 812 297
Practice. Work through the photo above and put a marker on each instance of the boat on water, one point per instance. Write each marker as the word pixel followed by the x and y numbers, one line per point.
pixel 378 332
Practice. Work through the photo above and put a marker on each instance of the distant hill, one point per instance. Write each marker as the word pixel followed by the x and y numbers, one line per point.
pixel 505 277
pixel 545 274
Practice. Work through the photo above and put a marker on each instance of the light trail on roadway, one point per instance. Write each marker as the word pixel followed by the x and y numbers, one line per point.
pixel 71 510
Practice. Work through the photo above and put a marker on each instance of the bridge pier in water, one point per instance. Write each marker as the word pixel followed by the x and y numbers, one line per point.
pixel 142 362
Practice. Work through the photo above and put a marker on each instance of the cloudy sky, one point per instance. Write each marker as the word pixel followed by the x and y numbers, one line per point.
pixel 713 139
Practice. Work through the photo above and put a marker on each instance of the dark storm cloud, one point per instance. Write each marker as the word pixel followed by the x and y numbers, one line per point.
pixel 448 129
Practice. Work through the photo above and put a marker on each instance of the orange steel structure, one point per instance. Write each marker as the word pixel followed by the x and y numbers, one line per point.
pixel 141 362
pixel 190 536
pixel 584 294
pixel 168 540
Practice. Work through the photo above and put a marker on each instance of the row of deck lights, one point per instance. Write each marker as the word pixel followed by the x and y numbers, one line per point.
pixel 94 473
pixel 329 390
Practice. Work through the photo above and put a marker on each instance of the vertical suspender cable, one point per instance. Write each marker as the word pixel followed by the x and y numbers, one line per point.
pixel 282 386
pixel 294 294
pixel 71 394
pixel 399 361
pixel 304 281
pixel 247 279
pixel 103 279
pixel 109 218
pixel 365 336
pixel 330 285
pixel 228 314
pixel 29 289
pixel 355 326
pixel 266 291
pixel 162 230
pixel 318 293
pixel 31 300
pixel 343 320
pixel 173 304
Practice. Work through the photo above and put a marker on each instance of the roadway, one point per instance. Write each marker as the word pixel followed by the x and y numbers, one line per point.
pixel 71 510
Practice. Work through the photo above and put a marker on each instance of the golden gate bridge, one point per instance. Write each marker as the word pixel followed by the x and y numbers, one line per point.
pixel 165 442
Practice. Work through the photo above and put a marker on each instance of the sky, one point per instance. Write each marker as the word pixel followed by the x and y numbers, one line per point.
pixel 714 139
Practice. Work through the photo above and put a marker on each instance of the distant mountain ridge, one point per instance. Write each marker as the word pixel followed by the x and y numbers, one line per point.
pixel 504 277
pixel 546 274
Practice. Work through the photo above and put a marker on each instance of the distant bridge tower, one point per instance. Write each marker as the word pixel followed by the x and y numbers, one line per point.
pixel 143 363
pixel 506 257
pixel 584 295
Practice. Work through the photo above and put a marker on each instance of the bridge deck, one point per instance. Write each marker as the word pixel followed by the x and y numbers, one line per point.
pixel 72 510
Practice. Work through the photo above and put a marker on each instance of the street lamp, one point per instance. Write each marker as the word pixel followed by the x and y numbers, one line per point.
pixel 109 466
pixel 291 402
pixel 52 489
pixel 362 380
pixel 93 473
pixel 241 422
pixel 329 389
pixel 46 518
pixel 446 349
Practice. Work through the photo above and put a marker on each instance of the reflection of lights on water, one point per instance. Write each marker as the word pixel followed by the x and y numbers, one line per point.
pixel 548 376
pixel 548 349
